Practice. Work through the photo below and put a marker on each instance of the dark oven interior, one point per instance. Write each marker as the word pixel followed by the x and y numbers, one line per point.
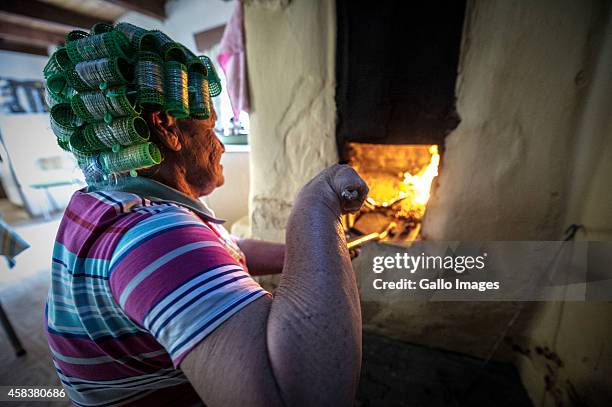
pixel 396 70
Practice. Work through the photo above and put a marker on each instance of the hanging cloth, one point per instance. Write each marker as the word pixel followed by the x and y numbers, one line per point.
pixel 232 58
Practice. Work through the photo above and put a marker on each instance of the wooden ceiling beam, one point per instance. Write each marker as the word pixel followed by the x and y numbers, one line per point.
pixel 44 12
pixel 8 45
pixel 152 8
pixel 16 31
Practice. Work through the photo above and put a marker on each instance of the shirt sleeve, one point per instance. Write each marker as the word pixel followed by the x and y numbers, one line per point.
pixel 172 275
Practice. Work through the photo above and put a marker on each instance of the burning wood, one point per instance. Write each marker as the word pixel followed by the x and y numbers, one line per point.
pixel 400 179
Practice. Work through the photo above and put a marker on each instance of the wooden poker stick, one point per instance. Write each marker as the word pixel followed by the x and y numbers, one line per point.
pixel 372 236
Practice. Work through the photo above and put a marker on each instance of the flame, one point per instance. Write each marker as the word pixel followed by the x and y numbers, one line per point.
pixel 399 176
pixel 419 185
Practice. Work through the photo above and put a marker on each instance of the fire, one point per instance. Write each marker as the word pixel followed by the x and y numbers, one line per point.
pixel 418 186
pixel 399 176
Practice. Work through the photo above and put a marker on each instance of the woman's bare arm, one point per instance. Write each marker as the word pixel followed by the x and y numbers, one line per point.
pixel 263 257
pixel 303 347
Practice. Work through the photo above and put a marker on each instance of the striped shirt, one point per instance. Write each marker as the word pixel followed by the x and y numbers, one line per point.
pixel 136 284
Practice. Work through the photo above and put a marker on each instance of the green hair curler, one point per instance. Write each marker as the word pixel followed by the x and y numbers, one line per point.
pixel 105 72
pixel 64 145
pixel 92 168
pixel 177 95
pixel 105 45
pixel 64 122
pixel 71 41
pixel 195 64
pixel 150 80
pixel 170 50
pixel 85 142
pixel 136 156
pixel 90 106
pixel 56 84
pixel 76 82
pixel 52 99
pixel 96 106
pixel 101 28
pixel 214 83
pixel 140 39
pixel 199 97
pixel 123 131
pixel 97 137
pixel 58 90
pixel 80 156
pixel 51 67
pixel 55 74
pixel 123 101
pixel 54 65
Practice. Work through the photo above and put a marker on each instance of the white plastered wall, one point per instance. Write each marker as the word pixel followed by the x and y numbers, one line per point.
pixel 531 156
pixel 579 332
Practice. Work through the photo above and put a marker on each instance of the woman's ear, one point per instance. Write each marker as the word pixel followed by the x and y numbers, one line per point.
pixel 166 130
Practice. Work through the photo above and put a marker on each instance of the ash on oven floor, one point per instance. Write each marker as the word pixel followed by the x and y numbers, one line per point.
pixel 395 373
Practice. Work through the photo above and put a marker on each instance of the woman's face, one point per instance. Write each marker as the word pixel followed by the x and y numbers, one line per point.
pixel 201 154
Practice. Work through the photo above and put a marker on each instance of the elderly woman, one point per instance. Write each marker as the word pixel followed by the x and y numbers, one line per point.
pixel 152 302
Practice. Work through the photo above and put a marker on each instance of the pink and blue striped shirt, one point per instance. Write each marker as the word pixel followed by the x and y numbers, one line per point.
pixel 140 275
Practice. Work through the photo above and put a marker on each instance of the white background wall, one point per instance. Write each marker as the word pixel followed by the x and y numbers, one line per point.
pixel 18 66
pixel 21 66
